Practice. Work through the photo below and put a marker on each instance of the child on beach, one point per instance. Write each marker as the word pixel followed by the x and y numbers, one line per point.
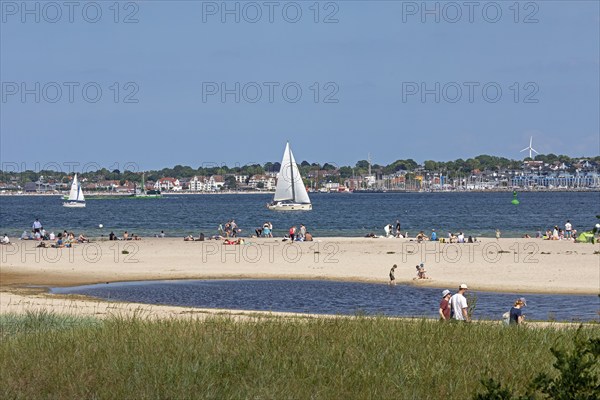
pixel 421 272
pixel 392 276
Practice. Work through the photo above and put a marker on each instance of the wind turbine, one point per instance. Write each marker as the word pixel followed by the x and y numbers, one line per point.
pixel 531 149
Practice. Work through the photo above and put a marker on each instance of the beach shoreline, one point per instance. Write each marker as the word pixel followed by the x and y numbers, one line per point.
pixel 513 265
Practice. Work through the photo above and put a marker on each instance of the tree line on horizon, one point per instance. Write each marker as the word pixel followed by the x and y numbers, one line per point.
pixel 450 168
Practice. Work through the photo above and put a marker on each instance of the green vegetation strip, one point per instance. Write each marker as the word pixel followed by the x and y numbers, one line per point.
pixel 49 356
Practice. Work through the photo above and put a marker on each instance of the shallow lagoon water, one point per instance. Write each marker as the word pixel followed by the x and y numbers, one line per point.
pixel 330 297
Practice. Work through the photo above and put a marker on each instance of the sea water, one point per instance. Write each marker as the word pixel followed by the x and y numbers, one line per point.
pixel 356 214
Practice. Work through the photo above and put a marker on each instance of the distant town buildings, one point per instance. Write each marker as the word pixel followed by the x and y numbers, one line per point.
pixel 583 174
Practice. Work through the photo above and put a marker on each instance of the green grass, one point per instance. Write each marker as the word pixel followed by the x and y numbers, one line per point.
pixel 44 356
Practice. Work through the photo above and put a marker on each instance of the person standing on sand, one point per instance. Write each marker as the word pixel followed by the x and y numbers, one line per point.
pixel 234 228
pixel 37 226
pixel 398 233
pixel 568 230
pixel 387 230
pixel 459 304
pixel 392 276
pixel 302 231
pixel 516 312
pixel 445 306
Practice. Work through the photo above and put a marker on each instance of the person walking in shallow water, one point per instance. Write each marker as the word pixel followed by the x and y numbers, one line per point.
pixel 392 276
pixel 497 234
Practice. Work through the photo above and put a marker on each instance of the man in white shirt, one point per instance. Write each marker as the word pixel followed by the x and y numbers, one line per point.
pixel 459 304
pixel 568 230
pixel 5 239
pixel 37 225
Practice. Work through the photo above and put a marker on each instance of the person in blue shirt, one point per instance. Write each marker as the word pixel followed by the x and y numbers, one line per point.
pixel 516 312
pixel 433 235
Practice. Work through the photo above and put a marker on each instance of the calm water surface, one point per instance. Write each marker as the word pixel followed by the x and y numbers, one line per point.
pixel 476 214
pixel 327 297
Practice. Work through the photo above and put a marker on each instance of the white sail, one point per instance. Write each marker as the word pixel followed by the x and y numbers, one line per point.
pixel 76 194
pixel 289 182
pixel 300 194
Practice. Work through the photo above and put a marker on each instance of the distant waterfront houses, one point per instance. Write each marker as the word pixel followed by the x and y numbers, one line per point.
pixel 490 181
pixel 213 183
pixel 459 175
pixel 168 184
pixel 262 182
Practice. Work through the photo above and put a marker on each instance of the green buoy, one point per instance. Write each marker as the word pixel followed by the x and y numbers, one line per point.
pixel 514 200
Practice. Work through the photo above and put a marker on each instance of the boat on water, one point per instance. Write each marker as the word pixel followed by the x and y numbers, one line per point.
pixel 290 193
pixel 76 198
pixel 145 194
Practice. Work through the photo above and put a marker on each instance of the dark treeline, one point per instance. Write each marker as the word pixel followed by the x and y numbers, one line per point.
pixel 456 167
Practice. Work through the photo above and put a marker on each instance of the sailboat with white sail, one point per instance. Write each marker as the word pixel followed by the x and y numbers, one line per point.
pixel 290 193
pixel 76 198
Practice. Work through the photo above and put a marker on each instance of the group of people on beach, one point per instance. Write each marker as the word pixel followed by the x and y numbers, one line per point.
pixel 556 233
pixel 231 229
pixel 299 234
pixel 266 230
pixel 38 233
pixel 458 237
pixel 230 233
pixel 65 238
pixel 395 231
pixel 126 236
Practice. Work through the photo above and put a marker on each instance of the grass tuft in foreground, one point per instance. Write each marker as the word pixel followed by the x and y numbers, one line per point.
pixel 321 358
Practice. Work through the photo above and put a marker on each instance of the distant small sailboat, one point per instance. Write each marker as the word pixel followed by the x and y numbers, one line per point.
pixel 76 198
pixel 290 193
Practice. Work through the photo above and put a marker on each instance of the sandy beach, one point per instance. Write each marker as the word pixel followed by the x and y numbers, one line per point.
pixel 509 265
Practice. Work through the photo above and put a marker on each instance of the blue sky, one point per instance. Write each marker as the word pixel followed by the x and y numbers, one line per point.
pixel 370 68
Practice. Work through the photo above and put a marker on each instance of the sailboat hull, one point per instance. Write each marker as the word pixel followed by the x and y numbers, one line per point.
pixel 74 204
pixel 289 207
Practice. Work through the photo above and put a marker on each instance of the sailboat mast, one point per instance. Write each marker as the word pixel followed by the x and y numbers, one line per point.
pixel 292 174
